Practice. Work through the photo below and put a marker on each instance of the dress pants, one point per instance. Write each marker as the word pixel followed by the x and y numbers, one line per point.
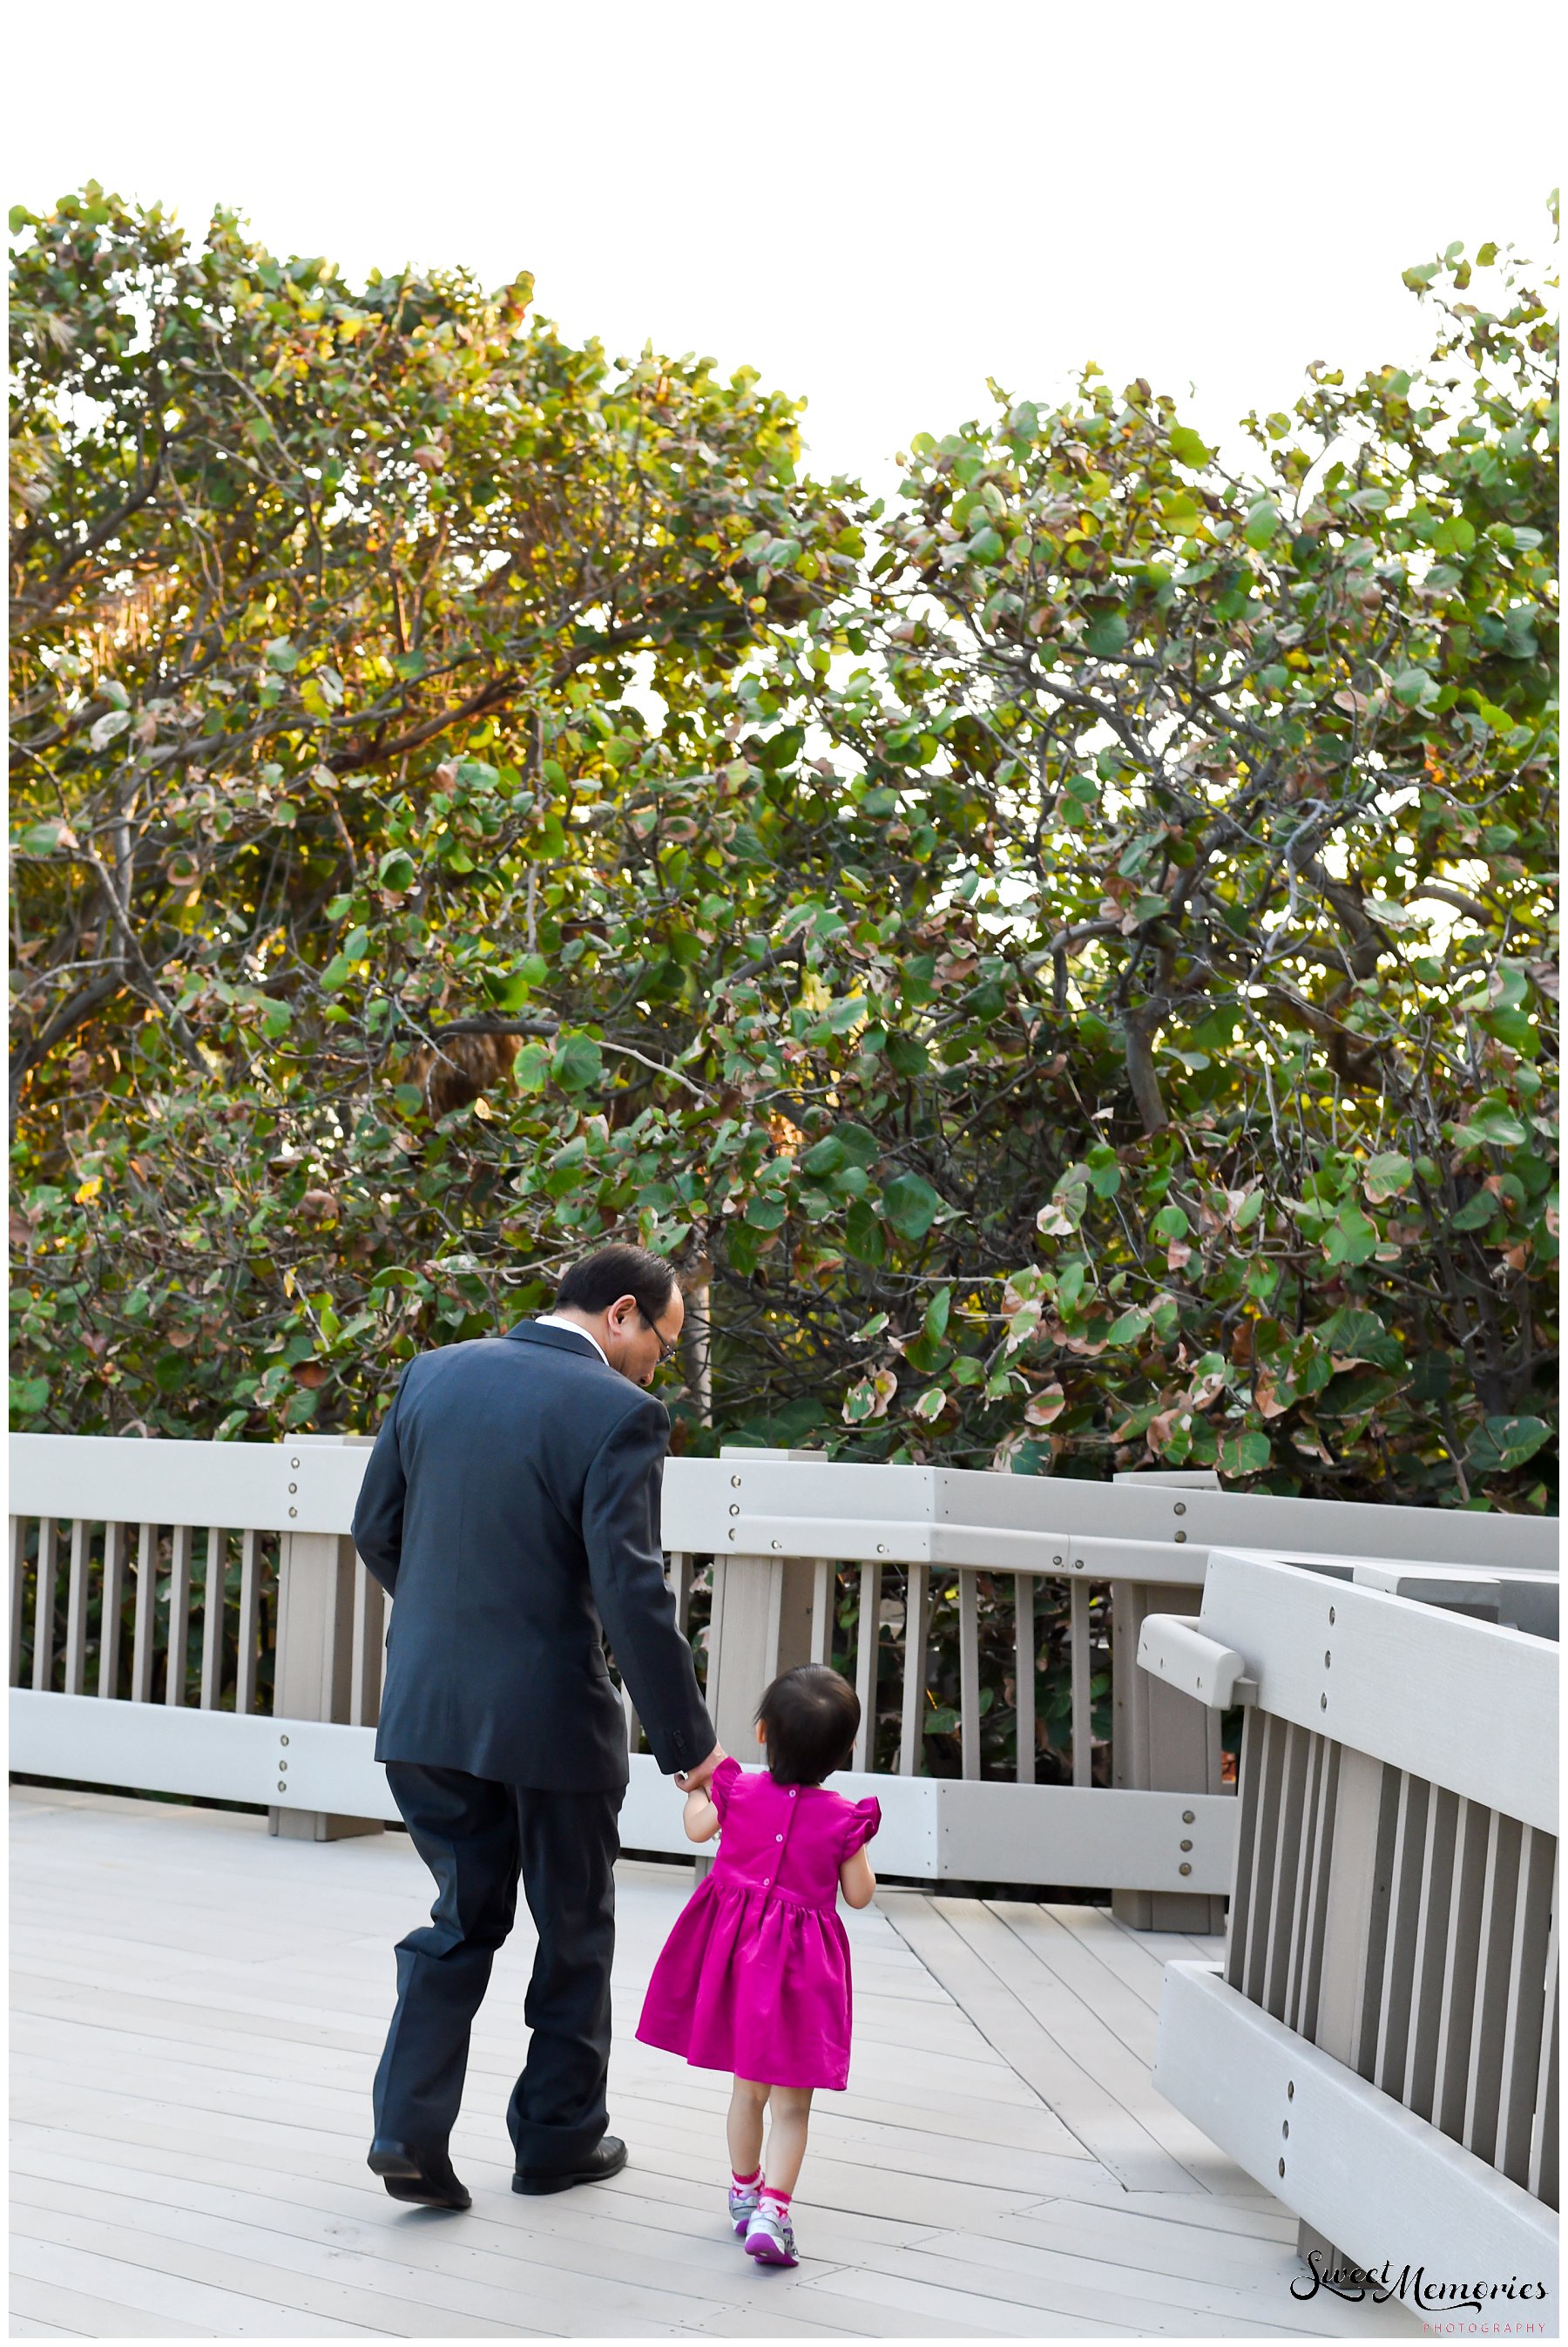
pixel 477 1837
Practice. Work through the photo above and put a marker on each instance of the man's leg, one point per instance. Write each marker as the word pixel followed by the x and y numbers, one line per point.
pixel 466 1829
pixel 557 2112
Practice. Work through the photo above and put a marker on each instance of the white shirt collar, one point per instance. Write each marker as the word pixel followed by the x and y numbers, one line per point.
pixel 556 1320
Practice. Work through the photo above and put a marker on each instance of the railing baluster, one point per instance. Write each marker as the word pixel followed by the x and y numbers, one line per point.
pixel 19 1574
pixel 968 1677
pixel 1314 1921
pixel 212 1610
pixel 250 1584
pixel 1080 1674
pixel 824 1581
pixel 1264 1857
pixel 1484 2087
pixel 1238 1923
pixel 76 1606
pixel 180 1541
pixel 681 1583
pixel 1400 1954
pixel 1287 1865
pixel 115 1544
pixel 365 1663
pixel 1463 1936
pixel 44 1603
pixel 916 1639
pixel 1301 1895
pixel 1023 1673
pixel 146 1614
pixel 1431 1952
pixel 1525 2012
pixel 18 1577
pixel 1542 2177
pixel 867 1644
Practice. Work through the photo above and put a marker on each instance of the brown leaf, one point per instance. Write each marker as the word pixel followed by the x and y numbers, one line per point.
pixel 311 1373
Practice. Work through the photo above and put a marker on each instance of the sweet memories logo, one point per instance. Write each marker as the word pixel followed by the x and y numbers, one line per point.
pixel 1412 2287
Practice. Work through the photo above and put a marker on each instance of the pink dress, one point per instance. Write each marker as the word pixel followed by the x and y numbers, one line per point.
pixel 755 1977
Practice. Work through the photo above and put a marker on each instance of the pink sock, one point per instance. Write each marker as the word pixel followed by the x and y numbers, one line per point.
pixel 745 2183
pixel 772 2192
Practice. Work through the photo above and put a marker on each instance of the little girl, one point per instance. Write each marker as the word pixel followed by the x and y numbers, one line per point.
pixel 755 1977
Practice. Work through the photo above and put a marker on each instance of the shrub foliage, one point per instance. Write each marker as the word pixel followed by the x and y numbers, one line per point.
pixel 1064 963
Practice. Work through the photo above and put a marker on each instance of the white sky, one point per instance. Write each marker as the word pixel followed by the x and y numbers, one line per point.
pixel 875 202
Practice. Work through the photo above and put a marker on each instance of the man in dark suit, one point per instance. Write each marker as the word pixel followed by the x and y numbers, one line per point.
pixel 510 1507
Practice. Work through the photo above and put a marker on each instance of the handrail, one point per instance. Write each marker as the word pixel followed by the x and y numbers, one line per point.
pixel 745 1502
pixel 1380 2049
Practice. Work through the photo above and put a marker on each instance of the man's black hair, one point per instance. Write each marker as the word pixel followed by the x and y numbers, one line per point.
pixel 811 1718
pixel 597 1281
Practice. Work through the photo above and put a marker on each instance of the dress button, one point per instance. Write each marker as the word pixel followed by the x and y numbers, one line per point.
pixel 792 1793
pixel 778 1837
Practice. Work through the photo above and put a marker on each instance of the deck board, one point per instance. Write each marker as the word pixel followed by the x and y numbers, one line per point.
pixel 197 2010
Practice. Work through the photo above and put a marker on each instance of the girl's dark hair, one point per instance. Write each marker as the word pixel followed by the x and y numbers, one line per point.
pixel 597 1281
pixel 811 1718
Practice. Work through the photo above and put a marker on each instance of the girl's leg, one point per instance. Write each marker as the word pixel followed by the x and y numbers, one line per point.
pixel 789 2115
pixel 748 2100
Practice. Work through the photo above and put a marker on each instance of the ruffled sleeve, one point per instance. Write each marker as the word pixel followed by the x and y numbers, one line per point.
pixel 723 1783
pixel 864 1817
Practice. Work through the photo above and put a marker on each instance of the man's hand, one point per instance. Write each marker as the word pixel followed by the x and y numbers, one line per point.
pixel 692 1781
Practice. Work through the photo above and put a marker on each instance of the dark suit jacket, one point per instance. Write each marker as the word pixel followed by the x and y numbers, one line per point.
pixel 511 1508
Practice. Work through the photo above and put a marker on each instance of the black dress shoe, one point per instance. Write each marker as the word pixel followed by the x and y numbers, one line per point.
pixel 608 2157
pixel 408 2176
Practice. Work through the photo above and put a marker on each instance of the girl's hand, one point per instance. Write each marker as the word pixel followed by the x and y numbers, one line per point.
pixel 699 1817
pixel 857 1880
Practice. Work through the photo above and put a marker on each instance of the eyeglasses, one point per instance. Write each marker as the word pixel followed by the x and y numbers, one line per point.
pixel 668 1346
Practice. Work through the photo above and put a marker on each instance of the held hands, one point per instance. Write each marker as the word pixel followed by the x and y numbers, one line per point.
pixel 700 1817
pixel 692 1780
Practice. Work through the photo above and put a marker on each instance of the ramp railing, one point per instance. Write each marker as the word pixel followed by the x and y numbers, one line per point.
pixel 235 1559
pixel 1379 2048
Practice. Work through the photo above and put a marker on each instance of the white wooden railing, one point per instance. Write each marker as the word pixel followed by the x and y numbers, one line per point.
pixel 784 1548
pixel 1379 2048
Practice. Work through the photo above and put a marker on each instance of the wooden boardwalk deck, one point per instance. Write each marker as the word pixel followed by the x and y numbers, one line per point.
pixel 198 2008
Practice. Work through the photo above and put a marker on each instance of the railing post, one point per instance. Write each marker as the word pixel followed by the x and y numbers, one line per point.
pixel 760 1625
pixel 1355 1921
pixel 1162 1741
pixel 313 1678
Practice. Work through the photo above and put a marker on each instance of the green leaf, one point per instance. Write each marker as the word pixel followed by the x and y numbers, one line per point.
pixel 1386 1176
pixel 531 1068
pixel 765 1211
pixel 937 1313
pixel 911 1206
pixel 1170 1222
pixel 1107 636
pixel 1503 1443
pixel 1496 1128
pixel 508 990
pixel 1261 523
pixel 396 869
pixel 1351 1238
pixel 1243 1454
pixel 862 1234
pixel 1187 448
pixel 942 1721
pixel 577 1064
pixel 337 973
